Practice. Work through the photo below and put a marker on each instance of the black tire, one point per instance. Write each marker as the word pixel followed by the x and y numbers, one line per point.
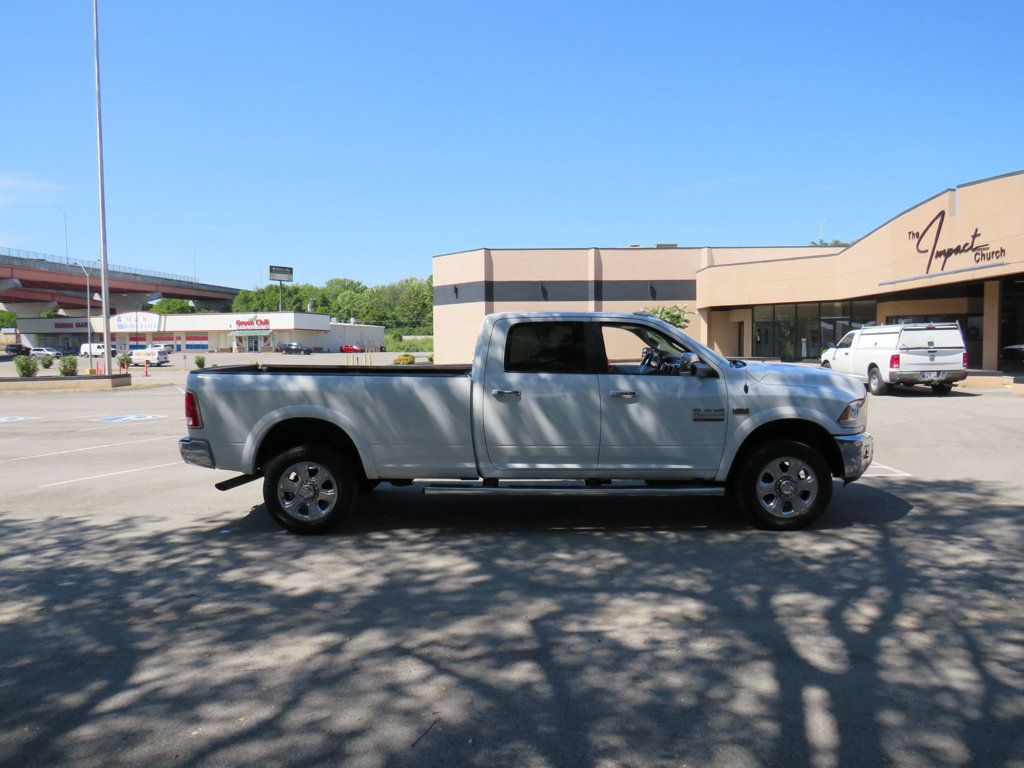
pixel 876 385
pixel 826 364
pixel 942 389
pixel 322 470
pixel 775 460
pixel 365 486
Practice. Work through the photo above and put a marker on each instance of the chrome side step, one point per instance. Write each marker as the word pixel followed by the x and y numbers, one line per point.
pixel 476 489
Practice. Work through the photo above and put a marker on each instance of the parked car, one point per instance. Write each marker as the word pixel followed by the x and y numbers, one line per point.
pixel 97 350
pixel 1013 352
pixel 294 348
pixel 17 349
pixel 909 354
pixel 598 402
pixel 351 348
pixel 152 355
pixel 44 351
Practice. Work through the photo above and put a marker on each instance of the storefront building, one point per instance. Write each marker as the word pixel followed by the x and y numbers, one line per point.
pixel 203 331
pixel 958 255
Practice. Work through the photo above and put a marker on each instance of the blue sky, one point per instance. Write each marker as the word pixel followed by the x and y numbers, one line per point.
pixel 359 139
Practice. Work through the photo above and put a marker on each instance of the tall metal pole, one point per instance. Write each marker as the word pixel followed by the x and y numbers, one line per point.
pixel 104 284
pixel 88 312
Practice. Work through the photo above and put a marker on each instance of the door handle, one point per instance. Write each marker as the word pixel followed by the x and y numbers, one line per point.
pixel 506 392
pixel 624 393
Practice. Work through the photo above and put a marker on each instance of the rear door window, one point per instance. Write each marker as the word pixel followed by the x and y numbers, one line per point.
pixel 556 347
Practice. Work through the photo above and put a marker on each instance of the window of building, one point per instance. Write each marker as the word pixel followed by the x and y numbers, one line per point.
pixel 546 348
pixel 764 331
pixel 802 331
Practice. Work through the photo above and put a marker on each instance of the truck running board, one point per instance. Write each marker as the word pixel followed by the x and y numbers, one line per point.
pixel 564 489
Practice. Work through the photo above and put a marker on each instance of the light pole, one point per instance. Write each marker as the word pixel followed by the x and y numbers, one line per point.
pixel 104 283
pixel 88 312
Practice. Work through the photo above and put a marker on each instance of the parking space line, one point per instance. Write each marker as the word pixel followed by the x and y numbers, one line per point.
pixel 111 474
pixel 89 448
pixel 891 471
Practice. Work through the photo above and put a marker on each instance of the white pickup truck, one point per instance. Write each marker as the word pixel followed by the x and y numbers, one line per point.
pixel 554 403
pixel 908 354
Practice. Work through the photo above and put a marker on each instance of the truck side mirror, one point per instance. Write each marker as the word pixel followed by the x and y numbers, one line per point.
pixel 687 360
pixel 704 371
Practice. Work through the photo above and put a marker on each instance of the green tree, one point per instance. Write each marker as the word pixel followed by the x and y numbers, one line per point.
pixel 407 303
pixel 674 314
pixel 7 318
pixel 173 307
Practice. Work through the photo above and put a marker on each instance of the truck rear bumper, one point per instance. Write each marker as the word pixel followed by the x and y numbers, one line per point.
pixel 917 377
pixel 194 451
pixel 857 452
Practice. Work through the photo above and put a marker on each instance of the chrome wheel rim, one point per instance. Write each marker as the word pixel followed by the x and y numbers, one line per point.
pixel 307 491
pixel 787 487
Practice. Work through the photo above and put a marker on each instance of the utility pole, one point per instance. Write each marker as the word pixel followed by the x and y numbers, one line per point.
pixel 104 280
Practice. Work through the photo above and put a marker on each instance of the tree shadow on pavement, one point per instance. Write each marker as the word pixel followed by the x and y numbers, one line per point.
pixel 541 633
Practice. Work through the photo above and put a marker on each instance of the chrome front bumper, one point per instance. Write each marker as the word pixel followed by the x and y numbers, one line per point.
pixel 857 452
pixel 196 452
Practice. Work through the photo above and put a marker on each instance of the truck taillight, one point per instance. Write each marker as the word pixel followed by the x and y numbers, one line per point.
pixel 894 361
pixel 965 359
pixel 193 418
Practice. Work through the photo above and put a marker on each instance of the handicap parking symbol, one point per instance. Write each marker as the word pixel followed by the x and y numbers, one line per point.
pixel 129 417
pixel 16 418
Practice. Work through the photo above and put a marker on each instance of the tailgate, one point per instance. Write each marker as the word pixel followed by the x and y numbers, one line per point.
pixel 931 349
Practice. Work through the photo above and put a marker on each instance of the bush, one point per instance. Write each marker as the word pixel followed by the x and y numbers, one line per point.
pixel 125 360
pixel 404 360
pixel 200 361
pixel 47 361
pixel 396 343
pixel 674 314
pixel 68 366
pixel 27 366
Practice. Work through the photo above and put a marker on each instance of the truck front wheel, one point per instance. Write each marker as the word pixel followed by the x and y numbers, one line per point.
pixel 783 486
pixel 876 384
pixel 309 489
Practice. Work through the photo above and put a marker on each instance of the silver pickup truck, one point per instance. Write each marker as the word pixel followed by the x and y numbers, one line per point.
pixel 554 403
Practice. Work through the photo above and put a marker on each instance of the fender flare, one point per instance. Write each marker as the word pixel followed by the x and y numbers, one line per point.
pixel 759 419
pixel 272 419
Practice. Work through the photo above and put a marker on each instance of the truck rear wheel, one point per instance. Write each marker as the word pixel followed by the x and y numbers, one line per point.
pixel 309 489
pixel 783 486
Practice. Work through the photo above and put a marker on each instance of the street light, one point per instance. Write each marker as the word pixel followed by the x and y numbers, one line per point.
pixel 104 283
pixel 88 311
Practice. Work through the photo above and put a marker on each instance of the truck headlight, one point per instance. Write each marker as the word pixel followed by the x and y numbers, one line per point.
pixel 855 414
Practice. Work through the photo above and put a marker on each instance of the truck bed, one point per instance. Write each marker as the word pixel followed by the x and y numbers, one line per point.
pixel 345 370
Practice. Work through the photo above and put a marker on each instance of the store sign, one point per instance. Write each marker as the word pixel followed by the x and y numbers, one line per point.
pixel 135 321
pixel 60 325
pixel 928 241
pixel 284 274
pixel 255 322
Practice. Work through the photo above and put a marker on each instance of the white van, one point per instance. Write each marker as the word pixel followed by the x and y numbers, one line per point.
pixel 914 353
pixel 154 355
pixel 97 350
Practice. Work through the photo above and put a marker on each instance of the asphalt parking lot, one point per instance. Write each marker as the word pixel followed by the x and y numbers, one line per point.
pixel 148 619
